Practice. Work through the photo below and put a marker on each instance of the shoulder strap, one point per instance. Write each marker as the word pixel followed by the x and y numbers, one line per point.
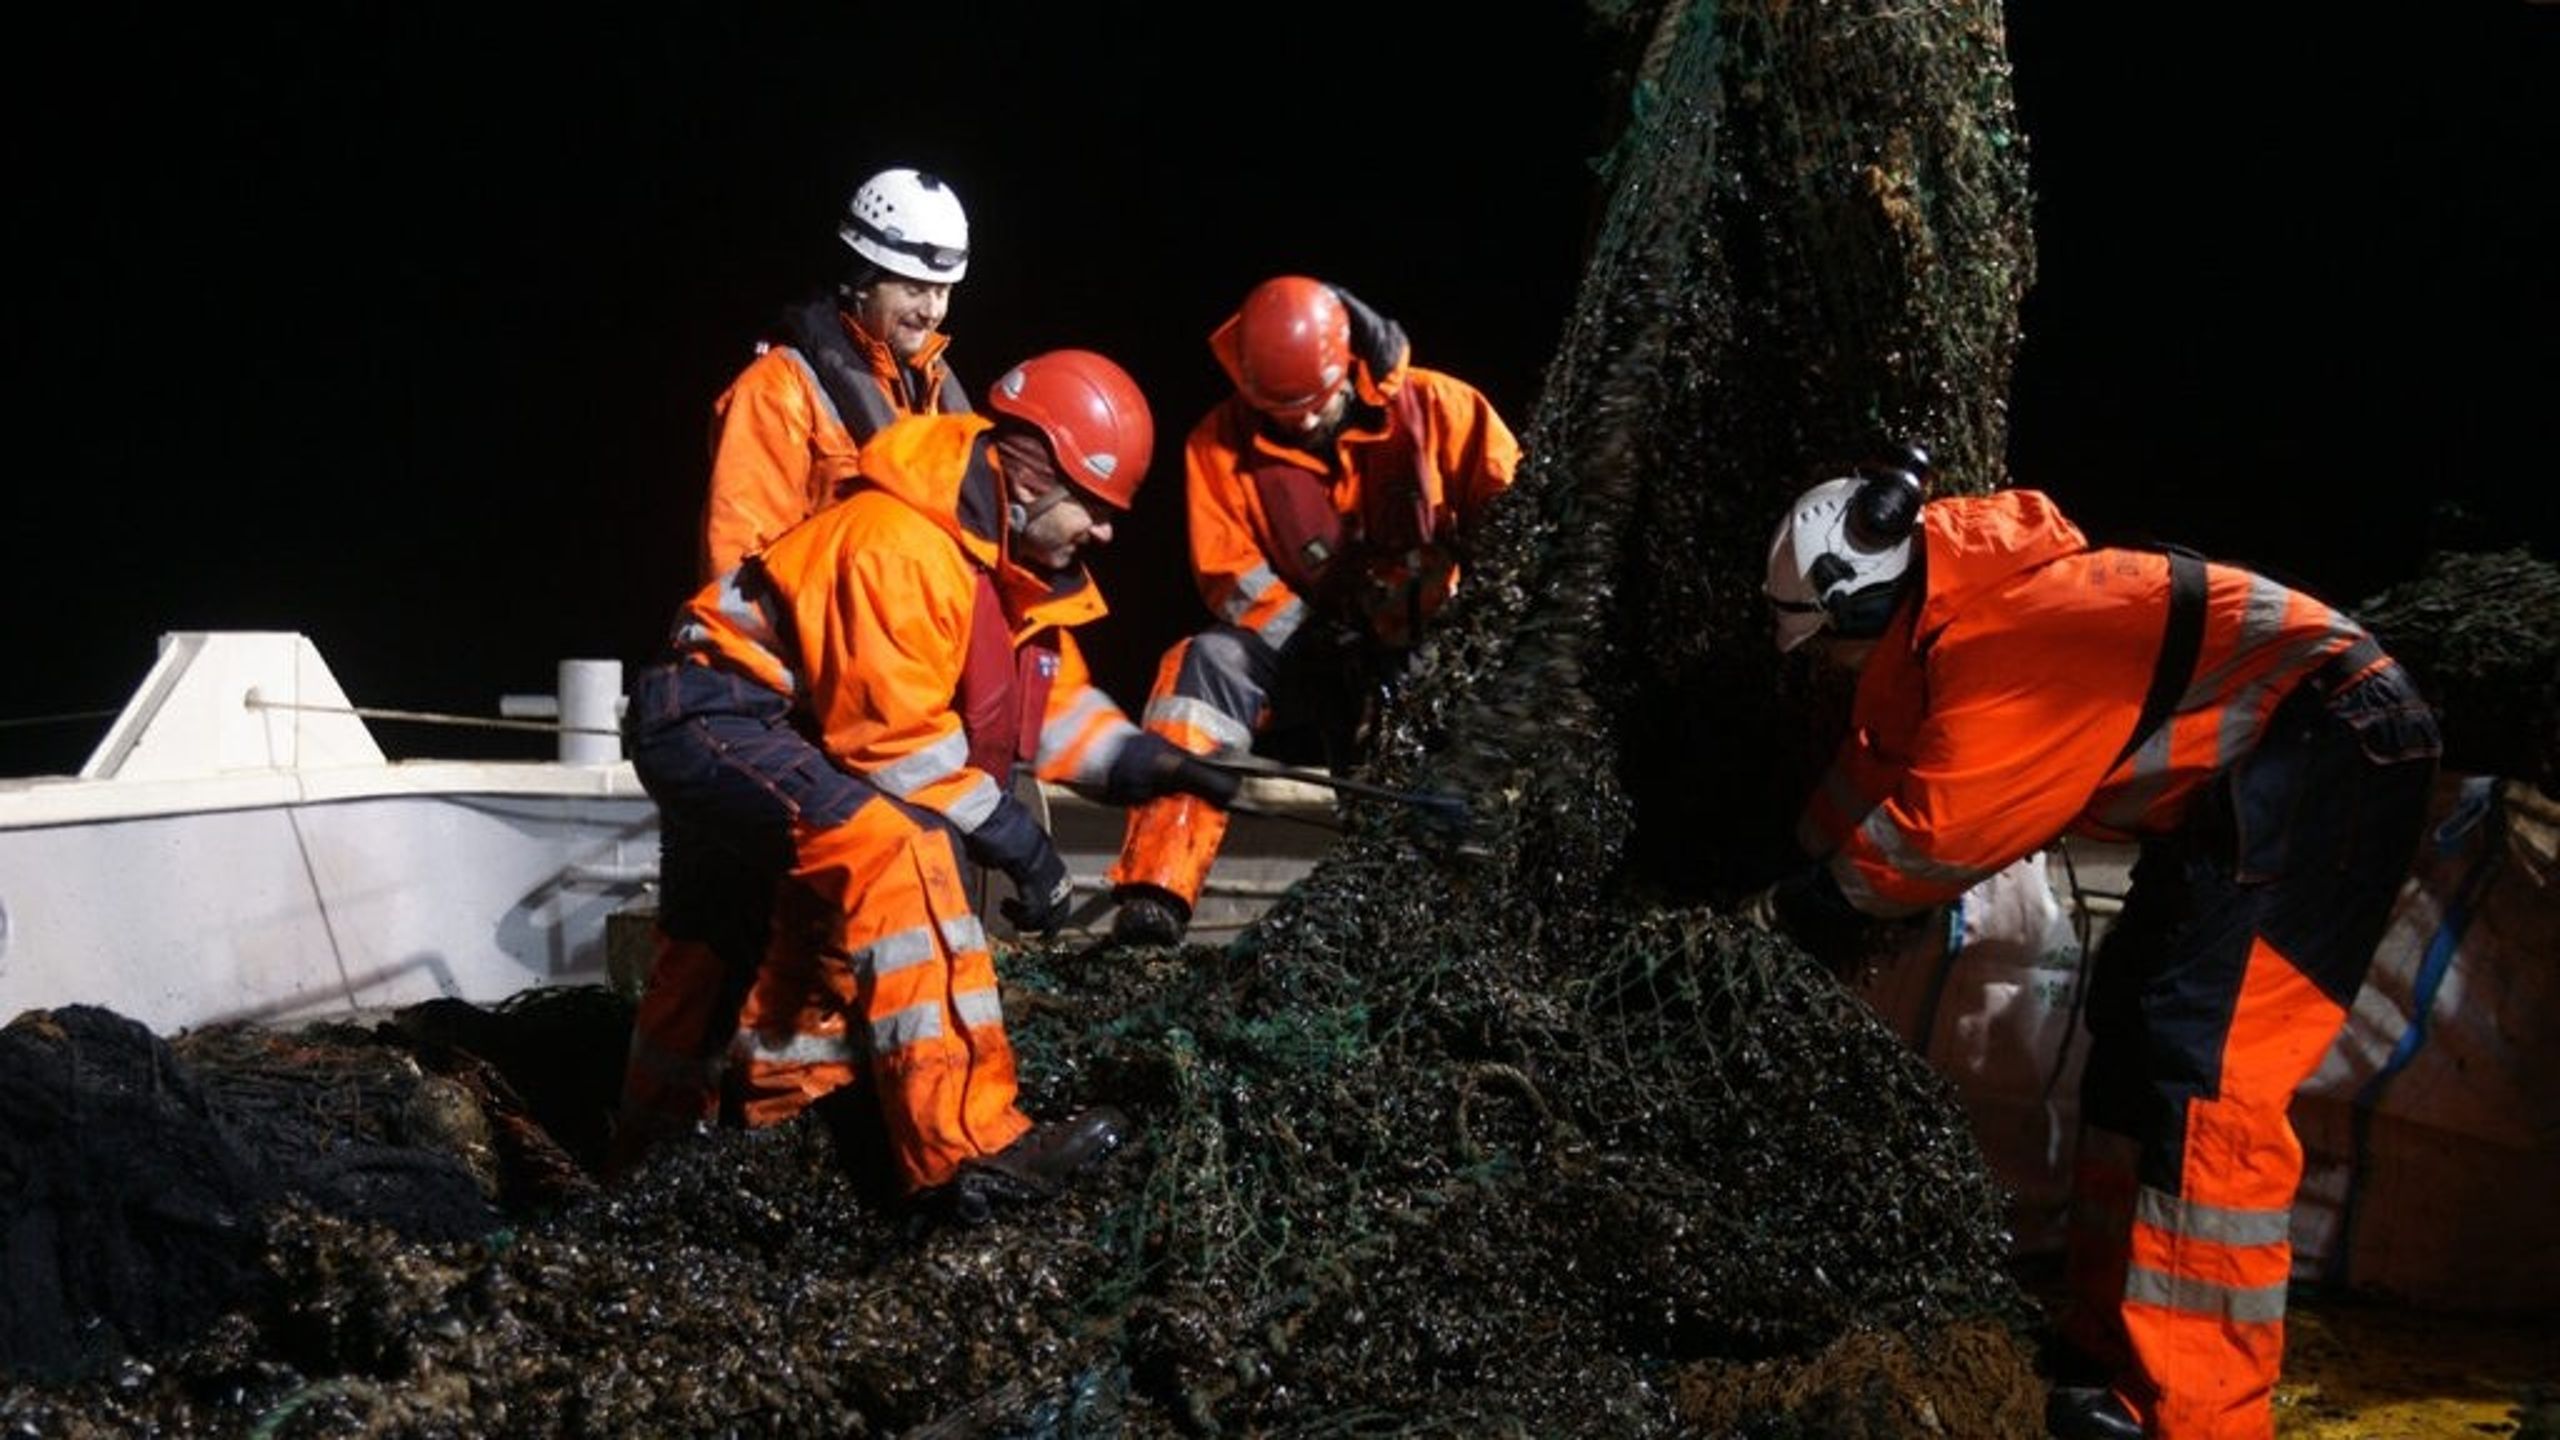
pixel 2178 647
pixel 813 330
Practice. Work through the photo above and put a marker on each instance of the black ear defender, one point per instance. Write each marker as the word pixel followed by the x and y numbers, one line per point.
pixel 1886 504
pixel 1883 511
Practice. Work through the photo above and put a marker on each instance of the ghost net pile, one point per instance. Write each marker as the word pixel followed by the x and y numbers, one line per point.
pixel 1495 1128
pixel 1503 1123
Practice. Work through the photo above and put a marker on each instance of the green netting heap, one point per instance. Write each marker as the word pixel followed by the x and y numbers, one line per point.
pixel 1500 1131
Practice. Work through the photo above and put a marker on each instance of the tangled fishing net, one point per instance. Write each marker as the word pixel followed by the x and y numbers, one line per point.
pixel 1490 1129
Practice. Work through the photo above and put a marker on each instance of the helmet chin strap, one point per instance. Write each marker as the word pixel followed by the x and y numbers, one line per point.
pixel 1020 513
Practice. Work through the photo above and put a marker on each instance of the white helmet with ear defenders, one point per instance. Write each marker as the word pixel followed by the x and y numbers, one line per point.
pixel 1839 559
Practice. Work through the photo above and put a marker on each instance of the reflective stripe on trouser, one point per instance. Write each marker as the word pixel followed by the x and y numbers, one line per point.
pixel 671 1077
pixel 2219 987
pixel 878 963
pixel 730 776
pixel 713 917
pixel 1212 692
pixel 2183 1285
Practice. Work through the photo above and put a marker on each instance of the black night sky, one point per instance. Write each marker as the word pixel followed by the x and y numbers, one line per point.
pixel 399 325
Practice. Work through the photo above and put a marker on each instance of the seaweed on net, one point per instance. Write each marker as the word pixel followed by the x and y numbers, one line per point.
pixel 1505 1130
pixel 1483 1114
pixel 2480 631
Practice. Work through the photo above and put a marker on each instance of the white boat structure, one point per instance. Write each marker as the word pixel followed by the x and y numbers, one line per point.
pixel 239 847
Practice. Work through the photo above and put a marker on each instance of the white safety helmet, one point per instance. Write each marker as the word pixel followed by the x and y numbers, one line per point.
pixel 909 223
pixel 1838 560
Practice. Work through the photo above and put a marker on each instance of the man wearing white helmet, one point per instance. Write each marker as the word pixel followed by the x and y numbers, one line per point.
pixel 837 368
pixel 2016 683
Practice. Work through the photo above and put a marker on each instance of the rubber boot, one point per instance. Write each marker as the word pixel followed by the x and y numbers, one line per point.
pixel 2088 1412
pixel 1040 1165
pixel 1149 916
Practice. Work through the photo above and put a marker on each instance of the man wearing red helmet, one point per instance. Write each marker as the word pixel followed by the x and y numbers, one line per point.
pixel 847 706
pixel 1330 501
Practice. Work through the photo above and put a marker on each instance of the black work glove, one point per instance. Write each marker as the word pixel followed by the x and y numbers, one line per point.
pixel 1039 904
pixel 1377 340
pixel 1013 842
pixel 1806 906
pixel 1149 765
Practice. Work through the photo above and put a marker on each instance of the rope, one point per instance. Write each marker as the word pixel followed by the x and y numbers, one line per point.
pixel 2076 1008
pixel 426 717
pixel 17 721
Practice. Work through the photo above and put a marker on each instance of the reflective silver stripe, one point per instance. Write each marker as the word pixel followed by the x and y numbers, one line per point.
pixel 750 619
pixel 2148 777
pixel 797 1050
pixel 1098 758
pixel 978 1008
pixel 1088 706
pixel 752 622
pixel 907 774
pixel 906 1027
pixel 2263 1305
pixel 2262 613
pixel 1250 588
pixel 2217 1223
pixel 1862 896
pixel 976 803
pixel 2261 622
pixel 810 374
pixel 1252 585
pixel 894 952
pixel 1844 797
pixel 1895 845
pixel 966 935
pixel 1283 624
pixel 1196 714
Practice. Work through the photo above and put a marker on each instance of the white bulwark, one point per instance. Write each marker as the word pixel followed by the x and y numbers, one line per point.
pixel 239 847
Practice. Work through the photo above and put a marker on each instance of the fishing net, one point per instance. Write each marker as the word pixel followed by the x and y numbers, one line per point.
pixel 1494 1127
pixel 2481 633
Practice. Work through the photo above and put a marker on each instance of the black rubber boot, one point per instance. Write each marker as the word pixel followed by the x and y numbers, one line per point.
pixel 2088 1412
pixel 1044 1162
pixel 1149 916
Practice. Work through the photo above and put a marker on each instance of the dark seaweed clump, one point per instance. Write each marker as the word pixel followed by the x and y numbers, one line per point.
pixel 1488 1128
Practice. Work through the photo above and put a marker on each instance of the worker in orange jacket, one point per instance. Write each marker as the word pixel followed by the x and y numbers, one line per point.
pixel 2015 684
pixel 848 706
pixel 837 368
pixel 1331 498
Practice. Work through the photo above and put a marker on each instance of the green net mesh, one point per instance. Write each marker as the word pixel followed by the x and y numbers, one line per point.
pixel 1497 1128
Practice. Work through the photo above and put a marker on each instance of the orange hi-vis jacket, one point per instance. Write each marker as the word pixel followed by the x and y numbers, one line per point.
pixel 782 449
pixel 1991 714
pixel 1398 489
pixel 864 614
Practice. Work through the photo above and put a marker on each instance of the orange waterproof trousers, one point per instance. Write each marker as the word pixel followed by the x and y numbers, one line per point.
pixel 879 967
pixel 2243 939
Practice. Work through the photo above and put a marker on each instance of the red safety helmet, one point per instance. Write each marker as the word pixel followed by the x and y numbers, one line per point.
pixel 1288 347
pixel 1096 421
